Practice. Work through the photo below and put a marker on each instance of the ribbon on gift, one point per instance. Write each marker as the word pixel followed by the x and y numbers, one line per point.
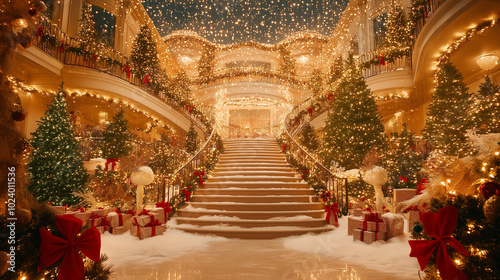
pixel 332 209
pixel 187 193
pixel 53 248
pixel 166 208
pixel 362 236
pixel 146 212
pixel 200 176
pixel 146 79
pixel 93 217
pixel 105 223
pixel 126 68
pixel 440 226
pixel 403 179
pixel 111 161
pixel 138 227
pixel 372 217
pixel 153 226
pixel 310 110
pixel 131 212
pixel 39 31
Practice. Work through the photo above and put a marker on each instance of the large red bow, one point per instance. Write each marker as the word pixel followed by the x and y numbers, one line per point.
pixel 187 193
pixel 326 196
pixel 403 179
pixel 200 176
pixel 381 59
pixel 334 208
pixel 61 47
pixel 127 69
pixel 439 226
pixel 166 208
pixel 113 162
pixel 53 248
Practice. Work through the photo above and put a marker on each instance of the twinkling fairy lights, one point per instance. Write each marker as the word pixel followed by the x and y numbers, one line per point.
pixel 267 21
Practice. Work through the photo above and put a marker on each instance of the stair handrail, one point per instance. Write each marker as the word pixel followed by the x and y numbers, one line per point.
pixel 336 185
pixel 185 173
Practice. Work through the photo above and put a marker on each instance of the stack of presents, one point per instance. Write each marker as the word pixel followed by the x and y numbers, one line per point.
pixel 368 226
pixel 150 222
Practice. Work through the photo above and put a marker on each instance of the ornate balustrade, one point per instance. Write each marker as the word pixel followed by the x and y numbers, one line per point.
pixel 369 69
pixel 427 8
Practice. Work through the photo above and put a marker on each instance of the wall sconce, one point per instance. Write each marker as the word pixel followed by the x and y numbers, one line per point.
pixel 487 61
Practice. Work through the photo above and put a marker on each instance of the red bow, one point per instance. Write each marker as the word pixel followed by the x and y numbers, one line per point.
pixel 190 108
pixel 403 179
pixel 187 193
pixel 61 47
pixel 146 79
pixel 200 176
pixel 381 59
pixel 306 173
pixel 53 248
pixel 297 120
pixel 310 110
pixel 420 186
pixel 130 211
pixel 439 225
pixel 153 225
pixel 334 208
pixel 326 196
pixel 283 148
pixel 330 96
pixel 113 162
pixel 126 68
pixel 94 56
pixel 39 31
pixel 166 207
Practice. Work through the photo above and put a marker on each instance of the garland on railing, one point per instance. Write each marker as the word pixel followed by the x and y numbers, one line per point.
pixel 384 56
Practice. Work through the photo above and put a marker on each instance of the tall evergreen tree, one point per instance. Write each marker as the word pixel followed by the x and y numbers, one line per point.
pixel 181 85
pixel 87 29
pixel 191 140
pixel 308 137
pixel 398 30
pixel 205 65
pixel 353 126
pixel 163 162
pixel 447 119
pixel 485 112
pixel 117 138
pixel 144 57
pixel 56 166
pixel 403 162
pixel 316 83
pixel 287 62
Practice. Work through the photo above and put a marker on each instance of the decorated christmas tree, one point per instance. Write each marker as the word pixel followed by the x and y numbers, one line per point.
pixel 163 162
pixel 56 167
pixel 87 31
pixel 144 57
pixel 334 74
pixel 191 143
pixel 308 137
pixel 205 65
pixel 398 31
pixel 485 112
pixel 403 162
pixel 287 62
pixel 316 83
pixel 353 126
pixel 181 85
pixel 447 120
pixel 117 138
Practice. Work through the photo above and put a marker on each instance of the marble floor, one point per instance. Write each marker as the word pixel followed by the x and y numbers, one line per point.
pixel 249 259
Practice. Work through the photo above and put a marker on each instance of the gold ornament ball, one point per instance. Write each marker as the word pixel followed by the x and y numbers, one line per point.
pixel 23 216
pixel 4 264
pixel 491 209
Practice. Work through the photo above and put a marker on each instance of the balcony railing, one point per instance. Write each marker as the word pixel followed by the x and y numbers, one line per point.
pixel 427 9
pixel 70 51
pixel 399 63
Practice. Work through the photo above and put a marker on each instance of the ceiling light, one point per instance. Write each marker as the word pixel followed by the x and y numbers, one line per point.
pixel 487 61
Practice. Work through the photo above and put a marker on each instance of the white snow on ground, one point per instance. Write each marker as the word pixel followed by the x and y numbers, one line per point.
pixel 127 249
pixel 293 218
pixel 391 256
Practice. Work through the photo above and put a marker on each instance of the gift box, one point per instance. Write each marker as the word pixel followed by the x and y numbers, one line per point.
pixel 357 212
pixel 118 219
pixel 162 215
pixel 80 215
pixel 145 232
pixel 103 229
pixel 354 223
pixel 143 220
pixel 373 215
pixel 119 230
pixel 403 194
pixel 95 221
pixel 61 209
pixel 413 218
pixel 371 236
pixel 395 224
pixel 376 226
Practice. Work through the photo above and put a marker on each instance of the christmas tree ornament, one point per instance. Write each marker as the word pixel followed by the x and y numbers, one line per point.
pixel 19 115
pixel 4 262
pixel 418 228
pixel 489 189
pixel 439 225
pixel 23 216
pixel 491 209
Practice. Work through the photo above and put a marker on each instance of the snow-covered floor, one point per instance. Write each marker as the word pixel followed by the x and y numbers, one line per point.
pixel 333 255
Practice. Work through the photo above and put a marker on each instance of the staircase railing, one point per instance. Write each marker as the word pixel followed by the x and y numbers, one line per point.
pixel 204 160
pixel 336 185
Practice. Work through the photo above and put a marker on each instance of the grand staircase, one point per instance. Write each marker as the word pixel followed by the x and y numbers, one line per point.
pixel 253 194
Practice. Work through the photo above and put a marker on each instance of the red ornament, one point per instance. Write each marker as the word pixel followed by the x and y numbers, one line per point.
pixel 19 116
pixel 54 248
pixel 439 225
pixel 489 189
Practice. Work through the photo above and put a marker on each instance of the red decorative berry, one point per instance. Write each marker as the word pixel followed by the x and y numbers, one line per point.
pixel 32 12
pixel 489 189
pixel 18 116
